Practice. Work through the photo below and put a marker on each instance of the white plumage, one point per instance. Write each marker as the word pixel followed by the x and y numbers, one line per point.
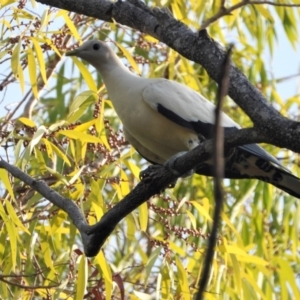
pixel 162 118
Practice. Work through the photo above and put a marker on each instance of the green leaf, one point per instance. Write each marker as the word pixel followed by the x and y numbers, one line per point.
pixel 16 64
pixel 12 236
pixel 151 261
pixel 40 58
pixel 183 281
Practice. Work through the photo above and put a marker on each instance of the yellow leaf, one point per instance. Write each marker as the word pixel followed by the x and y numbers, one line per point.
pixel 165 281
pixel 21 78
pixel 48 148
pixel 177 249
pixel 124 183
pixel 237 274
pixel 253 282
pixel 104 266
pixel 242 255
pixel 85 74
pixel 12 214
pixel 265 12
pixel 44 19
pixel 16 64
pixel 5 180
pixel 82 278
pixel 129 58
pixel 56 174
pixel 4 3
pixel 83 137
pixel 80 103
pixel 56 125
pixel 57 221
pixel 134 169
pixel 76 175
pixel 32 72
pixel 287 277
pixel 60 154
pixel 40 58
pixel 231 226
pixel 143 216
pixel 150 39
pixel 192 218
pixel 83 127
pixel 201 210
pixel 69 23
pixel 150 263
pixel 131 228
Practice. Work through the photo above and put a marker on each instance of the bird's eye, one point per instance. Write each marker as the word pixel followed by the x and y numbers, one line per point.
pixel 96 46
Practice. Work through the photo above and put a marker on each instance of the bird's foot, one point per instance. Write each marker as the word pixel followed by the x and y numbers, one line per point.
pixel 169 164
pixel 148 172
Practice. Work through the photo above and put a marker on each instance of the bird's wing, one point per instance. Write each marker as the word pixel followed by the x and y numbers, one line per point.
pixel 185 107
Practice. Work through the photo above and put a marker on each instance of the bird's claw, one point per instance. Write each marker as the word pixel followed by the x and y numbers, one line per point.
pixel 147 173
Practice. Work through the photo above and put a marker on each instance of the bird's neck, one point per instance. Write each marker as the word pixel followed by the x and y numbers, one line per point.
pixel 117 78
pixel 113 71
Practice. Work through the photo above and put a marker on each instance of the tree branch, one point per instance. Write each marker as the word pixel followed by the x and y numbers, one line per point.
pixel 93 237
pixel 223 11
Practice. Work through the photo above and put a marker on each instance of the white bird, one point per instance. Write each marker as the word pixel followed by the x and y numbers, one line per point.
pixel 162 118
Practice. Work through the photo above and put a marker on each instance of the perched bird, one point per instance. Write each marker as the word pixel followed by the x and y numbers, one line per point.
pixel 162 118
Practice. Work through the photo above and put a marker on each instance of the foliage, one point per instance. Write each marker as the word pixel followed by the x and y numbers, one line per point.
pixel 72 139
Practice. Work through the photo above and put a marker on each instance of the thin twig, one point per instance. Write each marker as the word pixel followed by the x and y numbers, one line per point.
pixel 223 11
pixel 218 157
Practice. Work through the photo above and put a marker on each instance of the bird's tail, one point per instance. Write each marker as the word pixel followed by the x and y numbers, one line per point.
pixel 283 180
pixel 253 167
pixel 274 174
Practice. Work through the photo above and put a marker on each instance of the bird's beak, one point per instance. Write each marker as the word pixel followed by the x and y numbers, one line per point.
pixel 72 53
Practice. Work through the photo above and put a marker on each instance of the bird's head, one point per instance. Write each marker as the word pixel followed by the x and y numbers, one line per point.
pixel 94 52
